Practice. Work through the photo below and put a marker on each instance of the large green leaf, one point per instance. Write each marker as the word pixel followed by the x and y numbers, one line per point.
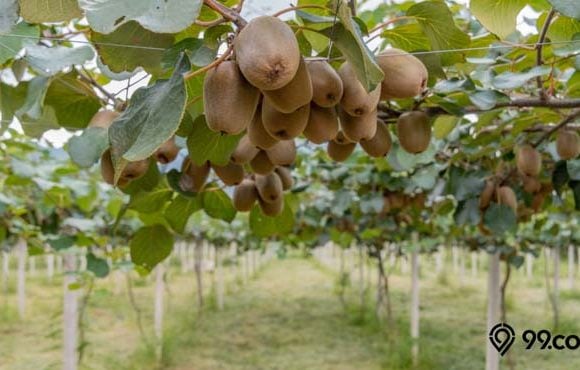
pixel 179 210
pixel 105 16
pixel 150 202
pixel 571 8
pixel 10 45
pixel 218 205
pixel 204 144
pixel 513 80
pixel 409 37
pixel 146 48
pixel 41 11
pixel 500 219
pixel 50 61
pixel 9 15
pixel 153 116
pixel 97 266
pixel 11 99
pixel 34 103
pixel 151 245
pixel 86 149
pixel 264 226
pixel 498 16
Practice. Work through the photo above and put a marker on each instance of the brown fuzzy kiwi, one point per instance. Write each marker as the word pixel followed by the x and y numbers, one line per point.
pixel 107 169
pixel 261 164
pixel 356 101
pixel 294 95
pixel 194 176
pixel 360 127
pixel 229 101
pixel 340 152
pixel 414 131
pixel 132 171
pixel 528 160
pixel 231 174
pixel 341 139
pixel 269 187
pixel 531 184
pixel 271 209
pixel 283 153
pixel 507 197
pixel 568 144
pixel 397 200
pixel 167 152
pixel 322 124
pixel 245 151
pixel 327 86
pixel 245 195
pixel 405 75
pixel 381 143
pixel 267 53
pixel 103 119
pixel 284 126
pixel 487 194
pixel 285 176
pixel 258 135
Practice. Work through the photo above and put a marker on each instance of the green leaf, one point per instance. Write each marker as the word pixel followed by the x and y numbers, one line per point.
pixel 500 219
pixel 573 168
pixel 151 245
pixel 218 205
pixel 105 16
pixel 197 51
pixel 50 61
pixel 487 99
pixel 465 184
pixel 151 119
pixel 150 202
pixel 204 144
pixel 63 242
pixel 9 15
pixel 512 80
pixel 179 211
pixel 41 11
pixel 147 182
pixel 467 212
pixel 567 7
pixel 443 126
pixel 10 45
pixel 11 98
pixel 264 226
pixel 498 16
pixel 575 186
pixel 86 150
pixel 409 37
pixel 560 176
pixel 97 266
pixel 146 51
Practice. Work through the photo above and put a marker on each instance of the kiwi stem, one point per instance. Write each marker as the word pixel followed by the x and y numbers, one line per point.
pixel 571 117
pixel 539 46
pixel 389 22
pixel 213 64
pixel 293 8
pixel 215 22
pixel 89 79
pixel 227 13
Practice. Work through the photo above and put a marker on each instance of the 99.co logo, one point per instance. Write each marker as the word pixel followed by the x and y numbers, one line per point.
pixel 502 336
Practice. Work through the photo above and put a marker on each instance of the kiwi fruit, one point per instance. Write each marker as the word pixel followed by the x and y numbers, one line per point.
pixel 194 176
pixel 380 144
pixel 568 144
pixel 341 139
pixel 132 171
pixel 327 86
pixel 258 135
pixel 245 151
pixel 103 119
pixel 267 53
pixel 269 187
pixel 360 127
pixel 322 124
pixel 283 153
pixel 229 101
pixel 507 197
pixel 261 164
pixel 231 174
pixel 245 195
pixel 294 95
pixel 340 152
pixel 107 169
pixel 528 160
pixel 531 184
pixel 271 209
pixel 405 75
pixel 167 152
pixel 414 131
pixel 284 126
pixel 285 177
pixel 356 101
pixel 486 195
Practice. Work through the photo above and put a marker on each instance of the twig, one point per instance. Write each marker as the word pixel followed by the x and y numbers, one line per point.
pixel 227 13
pixel 293 8
pixel 88 78
pixel 352 6
pixel 571 117
pixel 137 310
pixel 82 314
pixel 539 47
pixel 215 22
pixel 215 63
pixel 389 22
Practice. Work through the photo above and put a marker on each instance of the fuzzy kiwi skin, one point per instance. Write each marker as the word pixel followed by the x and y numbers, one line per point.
pixel 271 209
pixel 258 135
pixel 486 195
pixel 414 131
pixel 245 195
pixel 131 172
pixel 356 101
pixel 285 176
pixel 261 164
pixel 358 128
pixel 283 153
pixel 327 88
pixel 269 187
pixel 167 152
pixel 194 177
pixel 103 119
pixel 322 124
pixel 529 160
pixel 267 53
pixel 568 144
pixel 507 197
pixel 245 151
pixel 405 75
pixel 380 144
pixel 531 184
pixel 294 95
pixel 342 139
pixel 340 152
pixel 229 101
pixel 284 126
pixel 231 174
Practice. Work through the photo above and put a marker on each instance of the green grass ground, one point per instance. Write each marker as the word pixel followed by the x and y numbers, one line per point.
pixel 287 317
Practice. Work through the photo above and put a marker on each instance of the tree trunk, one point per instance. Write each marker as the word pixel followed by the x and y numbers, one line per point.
pixel 556 291
pixel 529 266
pixel 439 257
pixel 571 266
pixel 415 299
pixel 361 280
pixel 22 253
pixel 455 257
pixel 159 310
pixel 220 279
pixel 474 264
pixel 493 307
pixel 49 266
pixel 5 271
pixel 70 315
pixel 198 259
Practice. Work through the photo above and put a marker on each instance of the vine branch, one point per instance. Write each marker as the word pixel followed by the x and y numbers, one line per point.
pixel 570 118
pixel 215 63
pixel 227 13
pixel 539 47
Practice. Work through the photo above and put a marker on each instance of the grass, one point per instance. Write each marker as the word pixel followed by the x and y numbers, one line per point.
pixel 288 317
